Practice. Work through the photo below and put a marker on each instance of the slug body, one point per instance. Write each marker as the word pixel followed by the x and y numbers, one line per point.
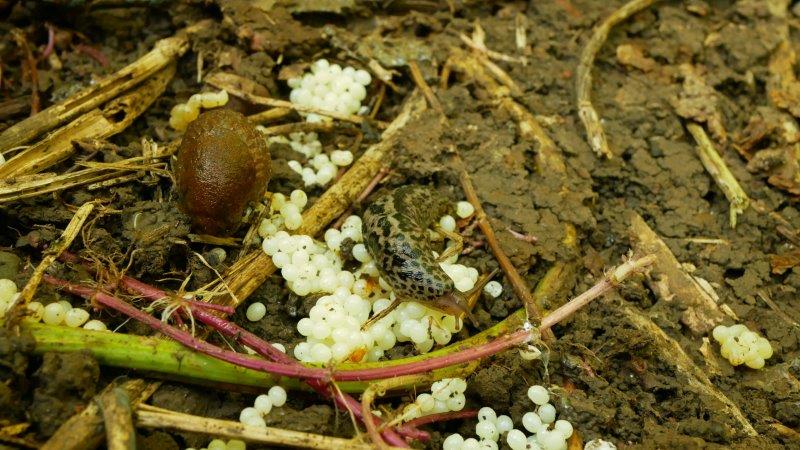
pixel 396 236
pixel 223 164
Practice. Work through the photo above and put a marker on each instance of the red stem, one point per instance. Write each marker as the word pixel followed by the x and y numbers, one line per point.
pixel 185 338
pixel 51 40
pixel 265 349
pixel 441 417
pixel 501 343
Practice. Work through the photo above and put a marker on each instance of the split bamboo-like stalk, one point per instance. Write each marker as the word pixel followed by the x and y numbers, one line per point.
pixel 165 52
pixel 118 420
pixel 84 430
pixel 113 118
pixel 152 417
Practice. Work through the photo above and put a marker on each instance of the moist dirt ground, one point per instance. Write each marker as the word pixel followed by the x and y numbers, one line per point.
pixel 707 61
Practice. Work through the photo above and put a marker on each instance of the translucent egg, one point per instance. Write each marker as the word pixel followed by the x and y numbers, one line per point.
pixel 76 317
pixel 53 314
pixel 95 325
pixel 256 311
pixel 277 395
pixel 453 442
pixel 263 404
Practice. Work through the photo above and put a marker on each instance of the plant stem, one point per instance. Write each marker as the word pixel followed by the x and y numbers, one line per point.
pixel 611 281
pixel 442 417
pixel 517 282
pixel 317 378
pixel 184 337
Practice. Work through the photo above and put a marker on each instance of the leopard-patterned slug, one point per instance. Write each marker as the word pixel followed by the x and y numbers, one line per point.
pixel 396 236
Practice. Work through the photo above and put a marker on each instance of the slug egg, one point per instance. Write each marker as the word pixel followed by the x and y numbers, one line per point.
pixel 256 311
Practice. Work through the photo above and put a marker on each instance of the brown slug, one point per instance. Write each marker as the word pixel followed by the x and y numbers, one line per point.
pixel 223 164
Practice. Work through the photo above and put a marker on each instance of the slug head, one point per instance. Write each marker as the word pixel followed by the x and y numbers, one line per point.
pixel 454 303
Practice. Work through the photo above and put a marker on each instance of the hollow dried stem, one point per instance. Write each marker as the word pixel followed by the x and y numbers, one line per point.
pixel 116 407
pixel 716 167
pixel 152 417
pixel 583 78
pixel 164 52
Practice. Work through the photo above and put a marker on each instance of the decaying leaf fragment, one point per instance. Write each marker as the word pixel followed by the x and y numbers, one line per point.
pixel 698 102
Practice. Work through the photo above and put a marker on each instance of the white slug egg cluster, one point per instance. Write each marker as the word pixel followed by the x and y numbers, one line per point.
pixel 331 88
pixel 320 168
pixel 284 213
pixel 740 345
pixel 219 444
pixel 547 433
pixel 254 415
pixel 183 114
pixel 333 328
pixel 56 313
pixel 446 395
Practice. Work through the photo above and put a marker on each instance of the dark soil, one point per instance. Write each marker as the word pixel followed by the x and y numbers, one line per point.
pixel 611 381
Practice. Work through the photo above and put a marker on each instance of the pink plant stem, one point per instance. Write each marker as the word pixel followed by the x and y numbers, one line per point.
pixel 441 417
pixel 185 338
pixel 212 306
pixel 51 40
pixel 610 282
pixel 265 349
pixel 501 343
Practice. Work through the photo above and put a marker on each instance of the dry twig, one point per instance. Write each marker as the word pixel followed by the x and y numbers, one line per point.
pixel 419 80
pixel 114 117
pixel 60 244
pixel 517 282
pixel 152 417
pixel 700 312
pixel 583 79
pixel 379 388
pixel 275 103
pixel 116 407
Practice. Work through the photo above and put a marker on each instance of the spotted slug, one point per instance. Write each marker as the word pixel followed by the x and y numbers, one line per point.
pixel 223 164
pixel 396 236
